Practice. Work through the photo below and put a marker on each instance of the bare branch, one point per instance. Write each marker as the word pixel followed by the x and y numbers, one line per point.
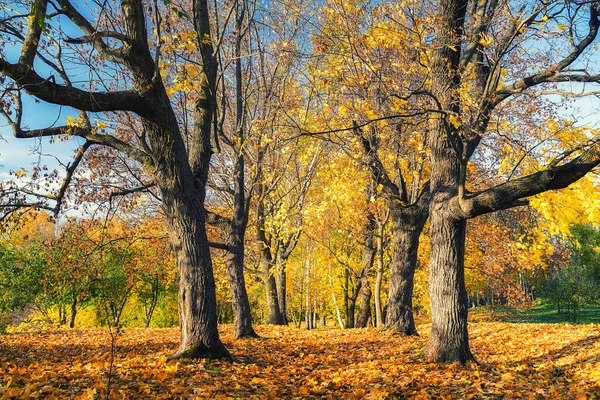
pixel 514 193
pixel 554 72
pixel 48 90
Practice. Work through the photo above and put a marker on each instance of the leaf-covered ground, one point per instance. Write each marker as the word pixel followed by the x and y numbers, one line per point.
pixel 532 361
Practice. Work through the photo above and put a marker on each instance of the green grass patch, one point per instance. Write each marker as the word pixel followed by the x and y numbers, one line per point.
pixel 545 314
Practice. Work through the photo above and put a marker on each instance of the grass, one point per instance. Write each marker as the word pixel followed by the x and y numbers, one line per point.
pixel 540 314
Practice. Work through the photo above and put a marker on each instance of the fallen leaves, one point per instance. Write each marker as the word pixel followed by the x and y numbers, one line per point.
pixel 516 361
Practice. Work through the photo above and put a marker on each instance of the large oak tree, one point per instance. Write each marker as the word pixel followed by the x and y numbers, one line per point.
pixel 178 162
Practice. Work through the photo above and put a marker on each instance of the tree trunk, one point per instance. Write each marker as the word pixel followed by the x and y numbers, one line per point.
pixel 449 340
pixel 282 289
pixel 338 312
pixel 62 315
pixel 275 317
pixel 449 336
pixel 449 306
pixel 196 295
pixel 350 318
pixel 73 313
pixel 407 225
pixel 153 301
pixel 307 312
pixel 379 253
pixel 242 319
pixel 364 312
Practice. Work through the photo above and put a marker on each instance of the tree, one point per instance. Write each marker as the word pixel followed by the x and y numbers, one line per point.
pixel 577 283
pixel 178 162
pixel 473 71
pixel 366 50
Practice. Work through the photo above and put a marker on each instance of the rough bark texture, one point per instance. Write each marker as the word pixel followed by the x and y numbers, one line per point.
pixel 282 289
pixel 379 322
pixel 242 320
pixel 183 202
pixel 409 213
pixel 368 258
pixel 407 225
pixel 449 336
pixel 275 317
pixel 449 340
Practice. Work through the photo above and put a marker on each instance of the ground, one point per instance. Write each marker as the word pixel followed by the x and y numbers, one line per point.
pixel 532 361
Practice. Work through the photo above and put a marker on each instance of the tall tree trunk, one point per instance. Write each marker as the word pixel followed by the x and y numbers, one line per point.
pixel 282 289
pixel 242 317
pixel 407 225
pixel 364 312
pixel 449 336
pixel 196 295
pixel 449 340
pixel 275 317
pixel 378 281
pixel 307 312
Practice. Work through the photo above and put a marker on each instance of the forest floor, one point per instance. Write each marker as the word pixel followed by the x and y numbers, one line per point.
pixel 516 360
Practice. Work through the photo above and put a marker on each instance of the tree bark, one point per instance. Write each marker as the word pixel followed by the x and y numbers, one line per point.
pixel 275 317
pixel 338 312
pixel 407 225
pixel 409 213
pixel 73 313
pixel 378 281
pixel 351 302
pixel 282 289
pixel 307 311
pixel 197 298
pixel 242 319
pixel 364 312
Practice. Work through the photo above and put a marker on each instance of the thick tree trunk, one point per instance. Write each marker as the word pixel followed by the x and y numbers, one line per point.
pixel 449 336
pixel 242 319
pixel 197 298
pixel 407 225
pixel 364 311
pixel 449 340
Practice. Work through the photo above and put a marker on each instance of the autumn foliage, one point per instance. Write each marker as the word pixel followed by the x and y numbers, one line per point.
pixel 532 361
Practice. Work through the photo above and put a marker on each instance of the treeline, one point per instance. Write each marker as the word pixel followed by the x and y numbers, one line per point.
pixel 122 274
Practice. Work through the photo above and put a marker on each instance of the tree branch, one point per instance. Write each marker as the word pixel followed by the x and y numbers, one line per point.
pixel 109 54
pixel 513 193
pixel 49 91
pixel 553 73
